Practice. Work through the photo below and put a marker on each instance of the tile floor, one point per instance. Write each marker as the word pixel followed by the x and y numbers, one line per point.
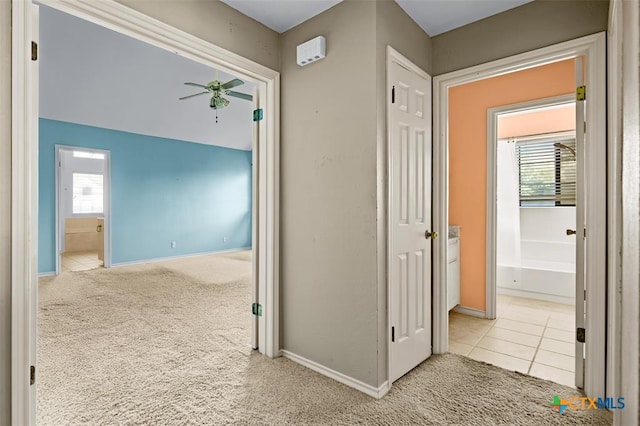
pixel 530 336
pixel 80 261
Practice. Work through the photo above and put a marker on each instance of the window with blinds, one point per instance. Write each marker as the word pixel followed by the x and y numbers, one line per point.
pixel 547 170
pixel 87 193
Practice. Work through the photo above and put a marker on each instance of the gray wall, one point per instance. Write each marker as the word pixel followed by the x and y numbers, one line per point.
pixel 328 187
pixel 5 212
pixel 528 27
pixel 218 23
pixel 396 29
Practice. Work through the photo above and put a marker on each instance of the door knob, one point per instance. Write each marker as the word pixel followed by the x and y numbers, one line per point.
pixel 430 235
pixel 571 232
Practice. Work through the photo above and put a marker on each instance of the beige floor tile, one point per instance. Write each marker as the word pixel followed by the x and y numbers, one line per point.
pixel 468 337
pixel 556 375
pixel 460 348
pixel 533 317
pixel 507 348
pixel 556 360
pixel 500 360
pixel 558 346
pixel 514 336
pixel 474 327
pixel 565 336
pixel 566 323
pixel 503 299
pixel 521 327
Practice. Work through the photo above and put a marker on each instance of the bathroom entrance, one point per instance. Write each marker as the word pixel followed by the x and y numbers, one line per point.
pixel 535 231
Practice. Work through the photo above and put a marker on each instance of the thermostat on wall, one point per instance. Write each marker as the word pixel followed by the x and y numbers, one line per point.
pixel 311 51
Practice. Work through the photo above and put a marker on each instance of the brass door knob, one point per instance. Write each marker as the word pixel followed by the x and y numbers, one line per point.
pixel 571 232
pixel 430 235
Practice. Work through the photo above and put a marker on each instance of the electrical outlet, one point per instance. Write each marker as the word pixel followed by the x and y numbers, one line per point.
pixel 225 239
pixel 173 244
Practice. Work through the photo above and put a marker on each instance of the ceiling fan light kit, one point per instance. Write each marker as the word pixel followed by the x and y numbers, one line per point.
pixel 311 51
pixel 218 91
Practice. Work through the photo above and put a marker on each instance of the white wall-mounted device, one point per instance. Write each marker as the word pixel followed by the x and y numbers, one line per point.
pixel 311 51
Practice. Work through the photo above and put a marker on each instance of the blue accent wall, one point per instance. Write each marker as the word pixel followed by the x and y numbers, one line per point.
pixel 162 190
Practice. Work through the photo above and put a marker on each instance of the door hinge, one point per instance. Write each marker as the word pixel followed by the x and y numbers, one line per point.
pixel 393 334
pixel 32 375
pixel 585 295
pixel 580 334
pixel 581 93
pixel 393 95
pixel 256 309
pixel 258 114
pixel 34 51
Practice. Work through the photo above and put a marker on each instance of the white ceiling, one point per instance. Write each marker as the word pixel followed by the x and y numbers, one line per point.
pixel 434 16
pixel 439 16
pixel 281 15
pixel 94 76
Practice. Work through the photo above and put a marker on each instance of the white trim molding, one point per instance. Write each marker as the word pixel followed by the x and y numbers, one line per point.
pixel 182 256
pixel 628 28
pixel 492 182
pixel 593 48
pixel 378 392
pixel 124 20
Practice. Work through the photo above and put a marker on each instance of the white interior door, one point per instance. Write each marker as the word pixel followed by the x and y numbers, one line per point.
pixel 254 228
pixel 580 228
pixel 34 99
pixel 410 219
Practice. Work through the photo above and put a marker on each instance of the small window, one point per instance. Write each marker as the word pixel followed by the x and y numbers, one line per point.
pixel 87 193
pixel 87 154
pixel 547 169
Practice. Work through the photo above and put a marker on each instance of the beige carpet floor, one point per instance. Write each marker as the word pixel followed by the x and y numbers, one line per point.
pixel 167 344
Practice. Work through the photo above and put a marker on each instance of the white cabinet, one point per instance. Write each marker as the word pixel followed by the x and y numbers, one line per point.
pixel 453 273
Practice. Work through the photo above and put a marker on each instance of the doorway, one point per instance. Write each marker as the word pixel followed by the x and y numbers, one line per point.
pixel 592 49
pixel 82 209
pixel 533 145
pixel 25 106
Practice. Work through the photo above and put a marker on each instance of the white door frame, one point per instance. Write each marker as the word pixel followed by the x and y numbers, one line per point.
pixel 117 17
pixel 106 207
pixel 393 56
pixel 593 47
pixel 492 182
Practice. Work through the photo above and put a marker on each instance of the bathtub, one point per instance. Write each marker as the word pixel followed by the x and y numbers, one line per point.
pixel 547 272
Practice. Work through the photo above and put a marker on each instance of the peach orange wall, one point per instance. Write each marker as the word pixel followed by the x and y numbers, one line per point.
pixel 468 106
pixel 536 122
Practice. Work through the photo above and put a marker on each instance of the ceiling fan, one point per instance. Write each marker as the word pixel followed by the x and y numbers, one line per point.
pixel 218 91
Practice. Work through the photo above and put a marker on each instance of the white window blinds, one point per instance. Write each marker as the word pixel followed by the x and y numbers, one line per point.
pixel 87 193
pixel 547 169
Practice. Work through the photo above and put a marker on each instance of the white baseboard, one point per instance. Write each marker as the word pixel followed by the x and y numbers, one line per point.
pixel 182 256
pixel 46 274
pixel 537 296
pixel 339 377
pixel 470 311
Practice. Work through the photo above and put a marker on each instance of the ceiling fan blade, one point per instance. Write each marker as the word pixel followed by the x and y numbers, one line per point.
pixel 231 84
pixel 239 95
pixel 191 96
pixel 197 85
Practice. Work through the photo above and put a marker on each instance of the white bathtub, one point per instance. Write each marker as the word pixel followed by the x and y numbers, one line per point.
pixel 546 272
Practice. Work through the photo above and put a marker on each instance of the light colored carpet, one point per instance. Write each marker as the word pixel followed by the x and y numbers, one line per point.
pixel 168 344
